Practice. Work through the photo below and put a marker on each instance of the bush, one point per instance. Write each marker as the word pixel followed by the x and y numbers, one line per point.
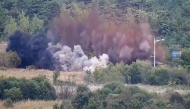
pixel 56 106
pixel 187 105
pixel 28 89
pixel 159 76
pixel 157 104
pixel 82 89
pixel 36 88
pixel 142 97
pixel 179 75
pixel 134 73
pixel 9 59
pixel 14 94
pixel 162 76
pixel 56 74
pixel 65 104
pixel 140 72
pixel 8 103
pixel 152 79
pixel 115 87
pixel 81 100
pixel 176 98
pixel 82 97
pixel 104 75
pixel 45 91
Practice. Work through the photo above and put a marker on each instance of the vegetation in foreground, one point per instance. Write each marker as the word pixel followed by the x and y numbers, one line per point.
pixel 38 88
pixel 28 104
pixel 140 72
pixel 114 95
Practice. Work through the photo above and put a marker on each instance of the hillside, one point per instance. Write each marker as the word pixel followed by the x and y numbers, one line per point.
pixel 94 54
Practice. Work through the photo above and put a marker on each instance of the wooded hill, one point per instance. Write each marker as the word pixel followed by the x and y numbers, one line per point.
pixel 168 19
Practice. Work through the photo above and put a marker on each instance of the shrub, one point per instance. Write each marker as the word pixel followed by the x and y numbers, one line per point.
pixel 162 75
pixel 179 75
pixel 176 98
pixel 104 92
pixel 159 76
pixel 134 72
pixel 56 106
pixel 14 94
pixel 135 104
pixel 56 74
pixel 8 103
pixel 82 97
pixel 187 105
pixel 65 104
pixel 36 88
pixel 82 89
pixel 104 75
pixel 115 87
pixel 80 101
pixel 9 59
pixel 93 104
pixel 142 97
pixel 158 104
pixel 152 79
pixel 28 88
pixel 45 91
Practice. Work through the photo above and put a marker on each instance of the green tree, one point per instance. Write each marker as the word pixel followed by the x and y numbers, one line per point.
pixel 162 76
pixel 185 56
pixel 8 103
pixel 3 20
pixel 134 71
pixel 9 59
pixel 56 75
pixel 13 93
pixel 82 97
pixel 24 23
pixel 11 26
pixel 36 25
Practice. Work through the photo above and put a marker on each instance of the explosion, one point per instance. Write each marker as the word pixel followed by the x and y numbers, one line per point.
pixel 61 47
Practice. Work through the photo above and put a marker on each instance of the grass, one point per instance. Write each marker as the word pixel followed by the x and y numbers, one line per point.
pixel 183 90
pixel 31 104
pixel 77 77
pixel 3 46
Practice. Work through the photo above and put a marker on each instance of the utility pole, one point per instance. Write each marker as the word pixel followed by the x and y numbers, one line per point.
pixel 155 41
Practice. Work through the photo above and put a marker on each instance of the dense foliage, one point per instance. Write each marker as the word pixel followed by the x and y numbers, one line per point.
pixel 9 59
pixel 168 19
pixel 140 72
pixel 115 96
pixel 37 88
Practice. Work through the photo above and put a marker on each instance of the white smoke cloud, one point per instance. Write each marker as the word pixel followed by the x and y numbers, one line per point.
pixel 102 61
pixel 76 60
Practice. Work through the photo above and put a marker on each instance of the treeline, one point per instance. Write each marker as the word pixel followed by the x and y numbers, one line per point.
pixel 140 72
pixel 168 19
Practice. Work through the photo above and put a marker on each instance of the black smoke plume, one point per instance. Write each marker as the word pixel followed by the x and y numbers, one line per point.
pixel 31 49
